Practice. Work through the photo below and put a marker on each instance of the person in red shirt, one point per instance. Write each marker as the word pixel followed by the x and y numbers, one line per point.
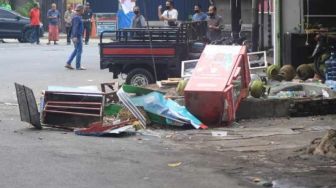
pixel 35 23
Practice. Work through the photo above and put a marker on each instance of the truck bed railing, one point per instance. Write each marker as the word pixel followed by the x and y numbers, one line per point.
pixel 186 32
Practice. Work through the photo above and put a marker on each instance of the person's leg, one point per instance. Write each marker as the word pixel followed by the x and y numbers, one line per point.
pixel 87 32
pixel 37 34
pixel 56 34
pixel 32 39
pixel 68 34
pixel 79 49
pixel 73 55
pixel 49 33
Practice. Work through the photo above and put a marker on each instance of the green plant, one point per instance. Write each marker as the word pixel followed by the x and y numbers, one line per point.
pixel 25 9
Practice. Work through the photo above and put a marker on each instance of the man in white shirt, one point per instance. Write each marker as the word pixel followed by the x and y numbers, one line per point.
pixel 170 15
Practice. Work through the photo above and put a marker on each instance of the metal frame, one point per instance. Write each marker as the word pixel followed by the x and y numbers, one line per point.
pixel 183 64
pixel 257 69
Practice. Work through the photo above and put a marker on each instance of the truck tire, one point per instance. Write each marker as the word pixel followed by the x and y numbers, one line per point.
pixel 139 77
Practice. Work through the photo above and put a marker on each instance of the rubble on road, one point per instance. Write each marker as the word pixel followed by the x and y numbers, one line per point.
pixel 159 109
pixel 99 129
pixel 325 146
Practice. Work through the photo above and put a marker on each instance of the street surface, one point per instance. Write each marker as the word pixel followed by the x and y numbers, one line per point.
pixel 51 158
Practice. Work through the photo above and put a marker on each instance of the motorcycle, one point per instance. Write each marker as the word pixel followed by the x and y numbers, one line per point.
pixel 326 44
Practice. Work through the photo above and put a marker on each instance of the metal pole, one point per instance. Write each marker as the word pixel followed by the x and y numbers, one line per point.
pixel 277 31
pixel 235 18
pixel 269 16
pixel 262 25
pixel 255 25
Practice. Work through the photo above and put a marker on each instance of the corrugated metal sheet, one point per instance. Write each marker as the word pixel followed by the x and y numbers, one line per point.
pixel 184 7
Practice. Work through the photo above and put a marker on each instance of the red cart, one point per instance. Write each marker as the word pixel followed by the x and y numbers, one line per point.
pixel 218 84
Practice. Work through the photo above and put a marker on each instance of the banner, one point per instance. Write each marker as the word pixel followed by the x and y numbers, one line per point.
pixel 127 5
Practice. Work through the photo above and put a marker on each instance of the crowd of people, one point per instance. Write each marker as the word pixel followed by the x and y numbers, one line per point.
pixel 78 23
pixel 170 18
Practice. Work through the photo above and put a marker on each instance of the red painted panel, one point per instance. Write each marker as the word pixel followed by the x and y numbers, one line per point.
pixel 213 92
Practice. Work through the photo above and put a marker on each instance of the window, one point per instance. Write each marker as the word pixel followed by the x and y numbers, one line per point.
pixel 7 14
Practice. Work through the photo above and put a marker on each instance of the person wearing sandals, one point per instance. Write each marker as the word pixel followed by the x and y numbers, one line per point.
pixel 54 20
pixel 77 38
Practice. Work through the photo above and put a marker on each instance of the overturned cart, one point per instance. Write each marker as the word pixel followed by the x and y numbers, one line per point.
pixel 218 84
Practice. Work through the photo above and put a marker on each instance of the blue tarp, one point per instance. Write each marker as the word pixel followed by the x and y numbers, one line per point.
pixel 156 103
pixel 124 20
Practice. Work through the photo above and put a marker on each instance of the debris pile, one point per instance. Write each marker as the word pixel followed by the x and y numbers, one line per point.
pixel 325 146
pixel 91 112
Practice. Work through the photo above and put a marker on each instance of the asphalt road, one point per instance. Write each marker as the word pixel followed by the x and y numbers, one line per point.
pixel 52 158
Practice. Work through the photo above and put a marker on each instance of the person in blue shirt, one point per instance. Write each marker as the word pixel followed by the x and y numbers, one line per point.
pixel 199 15
pixel 77 38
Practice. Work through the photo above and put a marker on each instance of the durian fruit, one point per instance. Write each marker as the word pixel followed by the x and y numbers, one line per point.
pixel 272 72
pixel 287 72
pixel 305 71
pixel 257 88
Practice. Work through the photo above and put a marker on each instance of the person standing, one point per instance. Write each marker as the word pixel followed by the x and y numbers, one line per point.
pixel 67 19
pixel 34 16
pixel 87 22
pixel 54 20
pixel 215 25
pixel 138 20
pixel 170 15
pixel 199 15
pixel 77 30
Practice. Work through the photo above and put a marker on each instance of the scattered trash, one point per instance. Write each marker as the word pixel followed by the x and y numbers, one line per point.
pixel 325 146
pixel 10 104
pixel 160 108
pixel 126 100
pixel 98 129
pixel 219 133
pixel 325 94
pixel 170 82
pixel 173 165
pixel 267 184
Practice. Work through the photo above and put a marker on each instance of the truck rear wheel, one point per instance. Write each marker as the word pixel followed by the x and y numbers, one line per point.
pixel 139 77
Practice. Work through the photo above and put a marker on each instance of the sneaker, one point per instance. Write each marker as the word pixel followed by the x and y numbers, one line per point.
pixel 81 68
pixel 55 43
pixel 68 66
pixel 48 43
pixel 86 43
pixel 68 43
